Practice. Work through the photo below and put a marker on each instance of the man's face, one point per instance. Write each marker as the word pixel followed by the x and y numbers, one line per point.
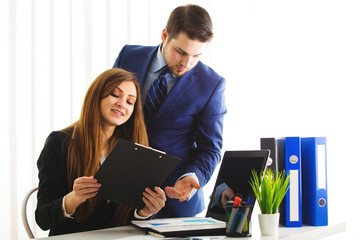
pixel 181 53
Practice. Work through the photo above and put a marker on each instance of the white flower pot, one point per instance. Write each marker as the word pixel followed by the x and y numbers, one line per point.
pixel 269 224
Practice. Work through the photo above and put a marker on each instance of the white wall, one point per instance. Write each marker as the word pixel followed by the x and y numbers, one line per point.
pixel 292 69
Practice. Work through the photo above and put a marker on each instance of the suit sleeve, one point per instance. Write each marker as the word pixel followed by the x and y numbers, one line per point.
pixel 52 184
pixel 208 135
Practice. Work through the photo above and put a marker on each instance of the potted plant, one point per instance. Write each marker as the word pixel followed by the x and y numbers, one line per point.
pixel 269 190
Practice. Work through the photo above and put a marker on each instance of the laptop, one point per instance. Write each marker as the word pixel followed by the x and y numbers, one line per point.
pixel 235 173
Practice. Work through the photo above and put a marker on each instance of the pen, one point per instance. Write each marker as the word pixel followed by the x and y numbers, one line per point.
pixel 243 220
pixel 244 217
pixel 156 234
pixel 237 202
pixel 249 201
pixel 228 206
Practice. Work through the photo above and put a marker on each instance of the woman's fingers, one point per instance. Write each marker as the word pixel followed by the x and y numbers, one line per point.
pixel 160 193
pixel 154 200
pixel 83 189
pixel 86 187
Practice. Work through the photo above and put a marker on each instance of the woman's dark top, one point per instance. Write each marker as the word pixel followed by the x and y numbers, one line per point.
pixel 53 186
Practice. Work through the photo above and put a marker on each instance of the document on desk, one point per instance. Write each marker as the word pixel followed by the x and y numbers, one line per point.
pixel 129 169
pixel 183 227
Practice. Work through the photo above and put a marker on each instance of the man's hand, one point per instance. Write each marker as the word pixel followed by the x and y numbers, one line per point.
pixel 227 194
pixel 183 188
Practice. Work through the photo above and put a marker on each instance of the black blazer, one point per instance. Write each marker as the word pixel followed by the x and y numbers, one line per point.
pixel 53 186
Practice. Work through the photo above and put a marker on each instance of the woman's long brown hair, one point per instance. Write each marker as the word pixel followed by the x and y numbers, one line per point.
pixel 85 144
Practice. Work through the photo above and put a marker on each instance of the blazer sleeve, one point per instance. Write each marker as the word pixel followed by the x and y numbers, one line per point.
pixel 208 135
pixel 52 182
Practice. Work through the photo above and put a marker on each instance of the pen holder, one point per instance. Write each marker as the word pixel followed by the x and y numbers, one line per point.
pixel 238 221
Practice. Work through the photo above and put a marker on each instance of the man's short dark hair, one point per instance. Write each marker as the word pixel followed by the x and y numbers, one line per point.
pixel 194 20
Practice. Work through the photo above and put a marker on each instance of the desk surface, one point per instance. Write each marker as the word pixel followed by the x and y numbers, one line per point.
pixel 132 232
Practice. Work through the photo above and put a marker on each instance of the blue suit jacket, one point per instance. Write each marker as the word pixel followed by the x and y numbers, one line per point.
pixel 188 124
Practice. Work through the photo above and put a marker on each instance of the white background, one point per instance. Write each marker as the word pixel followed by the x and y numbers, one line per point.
pixel 292 69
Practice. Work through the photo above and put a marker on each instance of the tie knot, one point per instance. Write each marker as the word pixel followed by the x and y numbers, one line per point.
pixel 165 70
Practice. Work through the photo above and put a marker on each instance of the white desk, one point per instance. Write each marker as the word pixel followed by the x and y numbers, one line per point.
pixel 131 232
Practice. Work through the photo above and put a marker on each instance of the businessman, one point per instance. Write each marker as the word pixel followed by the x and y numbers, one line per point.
pixel 184 105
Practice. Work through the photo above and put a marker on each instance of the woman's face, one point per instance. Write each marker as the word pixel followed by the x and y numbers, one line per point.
pixel 117 108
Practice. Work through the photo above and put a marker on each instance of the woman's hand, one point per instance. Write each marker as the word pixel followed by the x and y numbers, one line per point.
pixel 154 201
pixel 83 189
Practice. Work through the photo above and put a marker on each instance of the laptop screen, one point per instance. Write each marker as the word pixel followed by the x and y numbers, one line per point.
pixel 234 174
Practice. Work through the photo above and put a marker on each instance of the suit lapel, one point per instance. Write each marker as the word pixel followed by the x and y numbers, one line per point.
pixel 144 60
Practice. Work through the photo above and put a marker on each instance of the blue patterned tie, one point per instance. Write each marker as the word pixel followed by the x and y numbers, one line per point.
pixel 156 95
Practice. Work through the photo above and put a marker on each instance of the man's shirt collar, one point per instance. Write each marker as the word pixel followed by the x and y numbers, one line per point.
pixel 159 61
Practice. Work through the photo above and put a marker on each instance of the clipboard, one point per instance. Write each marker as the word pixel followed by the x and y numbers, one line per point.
pixel 129 169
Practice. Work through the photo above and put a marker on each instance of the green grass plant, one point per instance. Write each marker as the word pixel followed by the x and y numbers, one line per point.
pixel 269 189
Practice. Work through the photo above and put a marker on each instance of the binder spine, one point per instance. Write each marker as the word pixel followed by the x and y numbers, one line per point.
pixel 293 199
pixel 271 144
pixel 314 168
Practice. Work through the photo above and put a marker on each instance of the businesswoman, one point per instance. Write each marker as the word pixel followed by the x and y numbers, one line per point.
pixel 67 200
